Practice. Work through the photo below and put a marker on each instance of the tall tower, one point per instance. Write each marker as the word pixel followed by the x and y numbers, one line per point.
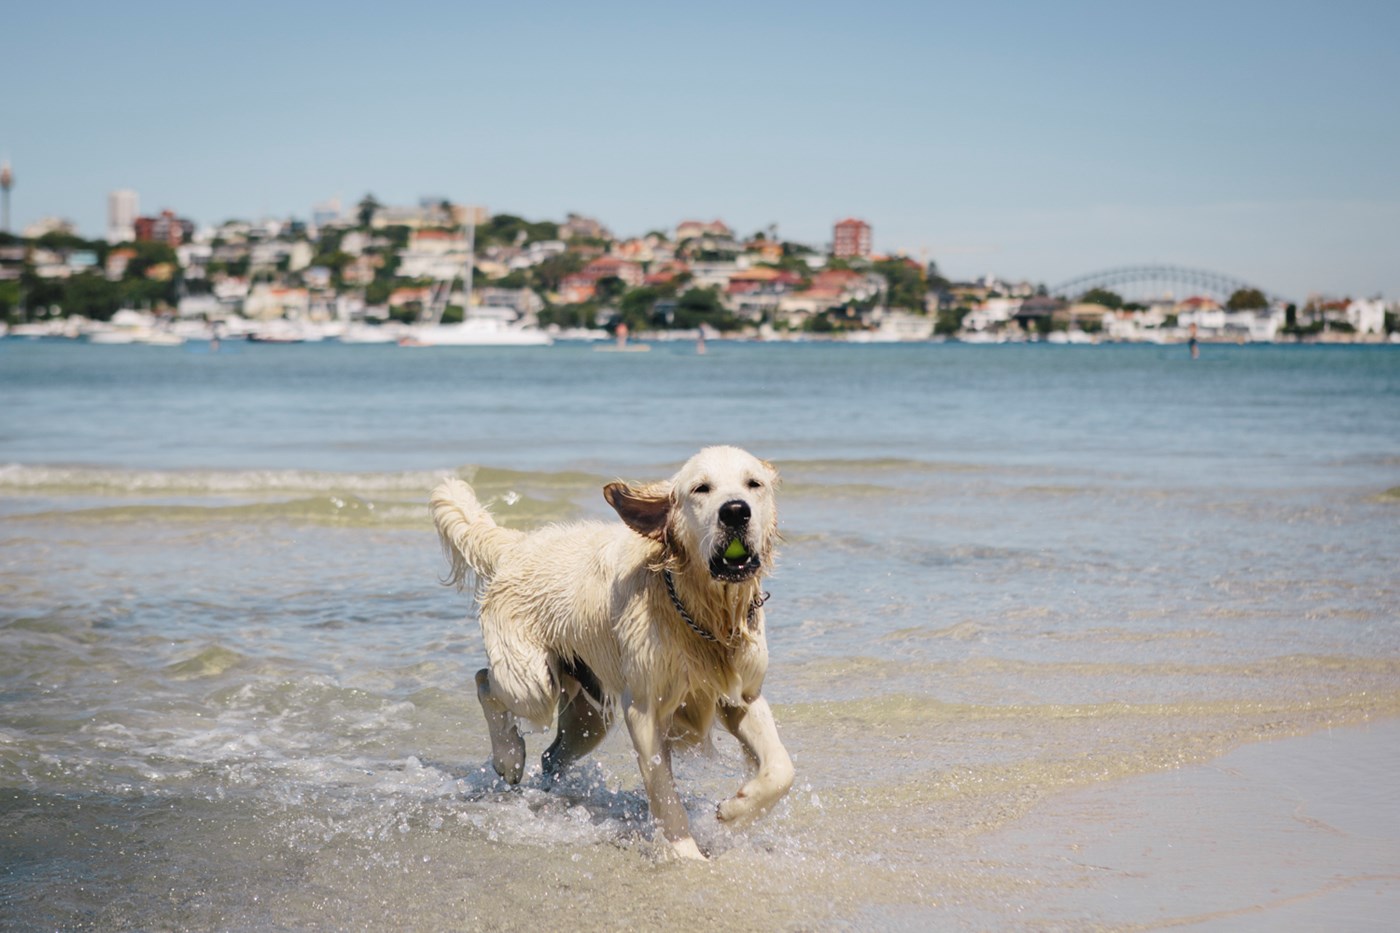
pixel 7 181
pixel 122 208
pixel 850 239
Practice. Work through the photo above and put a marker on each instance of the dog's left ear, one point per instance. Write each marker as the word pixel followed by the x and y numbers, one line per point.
pixel 643 510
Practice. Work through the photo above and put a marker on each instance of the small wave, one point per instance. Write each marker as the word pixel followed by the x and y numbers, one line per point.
pixel 18 478
pixel 880 465
pixel 211 662
pixel 333 509
pixel 333 505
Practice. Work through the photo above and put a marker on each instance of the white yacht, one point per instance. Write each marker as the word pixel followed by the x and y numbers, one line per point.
pixel 484 327
pixel 131 326
pixel 477 330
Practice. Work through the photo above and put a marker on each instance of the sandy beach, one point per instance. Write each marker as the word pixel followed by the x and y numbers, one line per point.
pixel 1293 834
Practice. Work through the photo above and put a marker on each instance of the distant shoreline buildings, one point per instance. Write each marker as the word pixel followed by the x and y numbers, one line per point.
pixel 379 265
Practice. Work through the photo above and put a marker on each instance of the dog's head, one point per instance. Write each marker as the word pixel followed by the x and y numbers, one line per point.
pixel 719 509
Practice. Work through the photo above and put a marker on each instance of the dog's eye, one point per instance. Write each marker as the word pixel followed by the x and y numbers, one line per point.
pixel 755 484
pixel 702 489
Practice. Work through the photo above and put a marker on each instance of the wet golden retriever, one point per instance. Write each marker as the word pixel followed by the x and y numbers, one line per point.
pixel 660 617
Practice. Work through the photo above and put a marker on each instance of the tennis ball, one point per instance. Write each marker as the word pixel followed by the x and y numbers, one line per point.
pixel 735 550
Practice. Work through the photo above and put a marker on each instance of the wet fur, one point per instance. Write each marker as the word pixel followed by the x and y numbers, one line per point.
pixel 578 626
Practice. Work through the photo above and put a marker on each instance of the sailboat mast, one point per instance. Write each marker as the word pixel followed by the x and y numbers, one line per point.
pixel 470 229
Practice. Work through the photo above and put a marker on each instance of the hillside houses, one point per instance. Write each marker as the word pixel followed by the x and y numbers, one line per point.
pixel 388 262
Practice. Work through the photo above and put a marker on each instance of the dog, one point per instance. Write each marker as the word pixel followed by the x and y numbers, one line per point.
pixel 660 617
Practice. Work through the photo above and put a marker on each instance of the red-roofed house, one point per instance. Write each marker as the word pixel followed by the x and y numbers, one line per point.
pixel 605 266
pixel 577 288
pixel 666 272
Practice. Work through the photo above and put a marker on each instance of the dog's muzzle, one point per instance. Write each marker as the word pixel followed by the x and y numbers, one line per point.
pixel 734 559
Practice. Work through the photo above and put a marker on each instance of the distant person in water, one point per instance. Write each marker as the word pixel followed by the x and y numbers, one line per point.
pixel 1194 344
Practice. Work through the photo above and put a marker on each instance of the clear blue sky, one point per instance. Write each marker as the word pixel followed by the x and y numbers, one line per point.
pixel 1024 139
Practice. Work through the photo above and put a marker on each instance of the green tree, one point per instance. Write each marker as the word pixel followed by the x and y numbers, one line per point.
pixel 1247 299
pixel 950 320
pixel 934 278
pixel 369 206
pixel 9 300
pixel 149 293
pixel 579 315
pixel 551 272
pixel 702 306
pixel 905 283
pixel 378 291
pixel 608 288
pixel 636 308
pixel 147 255
pixel 91 295
pixel 515 278
pixel 398 236
pixel 39 292
pixel 67 241
pixel 508 229
pixel 335 261
pixel 1102 296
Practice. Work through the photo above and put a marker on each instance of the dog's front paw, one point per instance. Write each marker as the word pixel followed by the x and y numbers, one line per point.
pixel 753 800
pixel 736 810
pixel 687 849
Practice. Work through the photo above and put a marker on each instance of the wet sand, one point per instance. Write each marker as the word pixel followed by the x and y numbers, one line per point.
pixel 1292 834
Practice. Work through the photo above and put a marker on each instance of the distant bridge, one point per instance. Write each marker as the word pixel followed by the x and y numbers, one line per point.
pixel 1157 282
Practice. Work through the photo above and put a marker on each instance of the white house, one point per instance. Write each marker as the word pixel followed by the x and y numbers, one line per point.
pixel 1367 315
pixel 537 252
pixel 991 313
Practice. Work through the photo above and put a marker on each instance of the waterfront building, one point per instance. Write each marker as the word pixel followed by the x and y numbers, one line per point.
pixel 1366 316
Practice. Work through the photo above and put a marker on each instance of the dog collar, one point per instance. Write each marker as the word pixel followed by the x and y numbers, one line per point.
pixel 689 620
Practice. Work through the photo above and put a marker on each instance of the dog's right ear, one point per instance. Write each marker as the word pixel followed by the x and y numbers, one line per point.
pixel 643 510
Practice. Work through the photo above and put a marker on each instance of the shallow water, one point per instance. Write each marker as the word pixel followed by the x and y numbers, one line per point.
pixel 235 696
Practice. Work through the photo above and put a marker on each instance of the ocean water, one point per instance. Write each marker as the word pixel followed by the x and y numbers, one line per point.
pixel 234 694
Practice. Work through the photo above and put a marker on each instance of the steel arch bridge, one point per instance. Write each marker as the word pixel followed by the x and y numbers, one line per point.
pixel 1156 281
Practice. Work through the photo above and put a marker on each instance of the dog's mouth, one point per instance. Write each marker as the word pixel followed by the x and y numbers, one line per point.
pixel 734 562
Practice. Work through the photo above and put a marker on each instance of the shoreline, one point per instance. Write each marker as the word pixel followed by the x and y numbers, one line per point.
pixel 683 338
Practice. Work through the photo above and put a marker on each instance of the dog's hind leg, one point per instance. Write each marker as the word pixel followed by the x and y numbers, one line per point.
pixel 582 725
pixel 753 726
pixel 507 744
pixel 583 719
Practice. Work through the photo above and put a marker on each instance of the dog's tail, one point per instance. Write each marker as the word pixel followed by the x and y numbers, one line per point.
pixel 471 539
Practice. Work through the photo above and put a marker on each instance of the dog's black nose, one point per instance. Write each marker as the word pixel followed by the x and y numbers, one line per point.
pixel 734 513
